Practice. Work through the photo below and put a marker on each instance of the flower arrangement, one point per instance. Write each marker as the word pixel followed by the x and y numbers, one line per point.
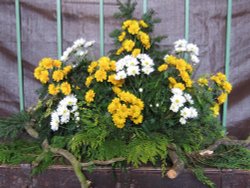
pixel 137 105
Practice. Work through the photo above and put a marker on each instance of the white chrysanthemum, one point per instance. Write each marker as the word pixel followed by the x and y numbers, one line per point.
pixel 66 54
pixel 121 75
pixel 55 121
pixel 189 98
pixel 174 107
pixel 145 60
pixel 165 57
pixel 177 91
pixel 133 70
pixel 180 45
pixel 147 70
pixel 193 112
pixel 120 64
pixel 89 44
pixel 79 42
pixel 77 119
pixel 178 100
pixel 82 52
pixel 65 118
pixel 140 90
pixel 194 59
pixel 185 113
pixel 131 61
pixel 193 49
pixel 157 105
pixel 76 114
pixel 69 100
pixel 183 121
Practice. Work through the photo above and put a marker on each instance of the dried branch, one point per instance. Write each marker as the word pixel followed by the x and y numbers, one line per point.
pixel 178 164
pixel 224 141
pixel 71 158
pixel 30 130
pixel 97 162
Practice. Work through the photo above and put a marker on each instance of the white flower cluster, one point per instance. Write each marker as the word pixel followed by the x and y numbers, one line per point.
pixel 183 46
pixel 66 107
pixel 79 49
pixel 178 100
pixel 131 66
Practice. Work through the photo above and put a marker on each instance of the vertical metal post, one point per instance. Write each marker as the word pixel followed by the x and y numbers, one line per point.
pixel 59 27
pixel 145 6
pixel 101 20
pixel 19 55
pixel 187 19
pixel 227 56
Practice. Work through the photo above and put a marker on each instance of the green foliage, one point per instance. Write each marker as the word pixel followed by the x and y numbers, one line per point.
pixel 12 126
pixel 236 157
pixel 199 174
pixel 19 151
pixel 144 149
pixel 47 160
pixel 126 10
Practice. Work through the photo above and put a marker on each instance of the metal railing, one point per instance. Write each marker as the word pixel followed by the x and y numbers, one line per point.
pixel 101 22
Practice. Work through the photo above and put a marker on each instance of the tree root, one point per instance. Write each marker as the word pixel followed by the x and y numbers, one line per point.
pixel 178 164
pixel 108 162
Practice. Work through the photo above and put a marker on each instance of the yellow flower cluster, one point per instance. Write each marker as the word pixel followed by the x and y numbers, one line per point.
pixel 221 80
pixel 133 27
pixel 89 96
pixel 51 68
pixel 98 70
pixel 203 82
pixel 183 68
pixel 125 106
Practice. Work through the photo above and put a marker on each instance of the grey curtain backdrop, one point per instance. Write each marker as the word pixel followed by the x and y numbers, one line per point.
pixel 81 19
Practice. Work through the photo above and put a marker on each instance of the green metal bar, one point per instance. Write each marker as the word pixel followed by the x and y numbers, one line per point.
pixel 19 55
pixel 101 20
pixel 187 20
pixel 145 6
pixel 227 56
pixel 59 27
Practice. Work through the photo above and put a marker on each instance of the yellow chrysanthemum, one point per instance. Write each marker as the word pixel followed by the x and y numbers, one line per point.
pixel 133 27
pixel 143 24
pixel 100 75
pixel 216 79
pixel 57 63
pixel 138 120
pixel 46 63
pixel 162 67
pixel 65 88
pixel 104 63
pixel 115 82
pixel 215 109
pixel 67 69
pixel 89 96
pixel 122 36
pixel 145 39
pixel 171 60
pixel 53 90
pixel 119 51
pixel 136 51
pixel 128 45
pixel 227 87
pixel 92 66
pixel 126 23
pixel 37 72
pixel 112 65
pixel 88 81
pixel 116 90
pixel 44 76
pixel 222 98
pixel 203 82
pixel 58 75
pixel 179 85
pixel 118 121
